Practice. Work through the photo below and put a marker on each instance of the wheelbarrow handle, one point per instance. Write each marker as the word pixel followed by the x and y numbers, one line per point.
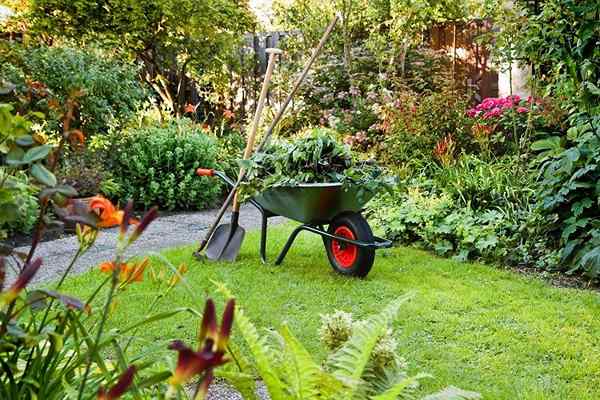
pixel 205 172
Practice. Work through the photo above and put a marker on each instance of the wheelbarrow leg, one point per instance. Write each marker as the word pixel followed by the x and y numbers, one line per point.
pixel 289 243
pixel 263 237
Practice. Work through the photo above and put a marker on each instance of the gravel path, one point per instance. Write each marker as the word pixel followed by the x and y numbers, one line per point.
pixel 164 232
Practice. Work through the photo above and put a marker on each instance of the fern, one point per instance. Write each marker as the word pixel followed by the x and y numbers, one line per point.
pixel 350 361
pixel 263 354
pixel 307 378
pixel 289 371
pixel 399 388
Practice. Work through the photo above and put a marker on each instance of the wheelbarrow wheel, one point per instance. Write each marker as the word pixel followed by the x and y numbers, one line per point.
pixel 345 258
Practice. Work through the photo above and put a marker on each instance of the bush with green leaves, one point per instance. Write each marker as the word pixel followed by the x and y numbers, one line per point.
pixel 364 365
pixel 569 192
pixel 473 209
pixel 561 41
pixel 111 89
pixel 156 166
pixel 24 196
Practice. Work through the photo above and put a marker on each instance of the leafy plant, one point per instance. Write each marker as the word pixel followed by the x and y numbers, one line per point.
pixel 315 158
pixel 174 41
pixel 352 371
pixel 24 195
pixel 156 165
pixel 569 193
pixel 110 89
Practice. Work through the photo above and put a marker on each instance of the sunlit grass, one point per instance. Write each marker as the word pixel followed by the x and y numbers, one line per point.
pixel 477 327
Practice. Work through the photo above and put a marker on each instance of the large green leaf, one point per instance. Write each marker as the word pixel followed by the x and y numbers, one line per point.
pixel 43 175
pixel 37 153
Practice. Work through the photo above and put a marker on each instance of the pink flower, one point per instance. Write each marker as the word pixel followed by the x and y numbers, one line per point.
pixel 522 110
pixel 472 113
pixel 496 112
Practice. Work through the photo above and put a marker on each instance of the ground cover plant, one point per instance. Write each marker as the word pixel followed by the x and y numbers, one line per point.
pixel 502 334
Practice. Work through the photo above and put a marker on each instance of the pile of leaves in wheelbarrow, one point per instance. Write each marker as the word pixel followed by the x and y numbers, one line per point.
pixel 316 157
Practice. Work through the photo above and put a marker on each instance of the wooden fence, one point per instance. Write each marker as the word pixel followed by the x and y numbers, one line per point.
pixel 470 59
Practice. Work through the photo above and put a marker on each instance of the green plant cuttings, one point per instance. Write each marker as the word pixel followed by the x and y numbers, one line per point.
pixel 314 158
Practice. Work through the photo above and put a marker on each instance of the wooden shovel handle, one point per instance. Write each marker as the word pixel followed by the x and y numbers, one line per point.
pixel 257 115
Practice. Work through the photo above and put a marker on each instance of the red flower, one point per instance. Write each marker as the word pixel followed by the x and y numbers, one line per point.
pixel 211 350
pixel 119 389
pixel 22 281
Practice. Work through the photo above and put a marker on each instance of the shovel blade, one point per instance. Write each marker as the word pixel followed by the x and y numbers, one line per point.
pixel 225 243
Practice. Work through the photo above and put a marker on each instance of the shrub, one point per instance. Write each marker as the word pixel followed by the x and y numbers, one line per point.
pixel 569 193
pixel 413 125
pixel 111 89
pixel 474 209
pixel 27 209
pixel 156 165
pixel 87 172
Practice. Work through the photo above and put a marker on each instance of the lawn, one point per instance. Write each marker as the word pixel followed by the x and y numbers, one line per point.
pixel 477 327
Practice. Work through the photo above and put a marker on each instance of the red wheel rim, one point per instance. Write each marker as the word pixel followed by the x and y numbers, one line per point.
pixel 345 254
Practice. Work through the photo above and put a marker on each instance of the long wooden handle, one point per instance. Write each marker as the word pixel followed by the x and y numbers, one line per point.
pixel 233 191
pixel 257 116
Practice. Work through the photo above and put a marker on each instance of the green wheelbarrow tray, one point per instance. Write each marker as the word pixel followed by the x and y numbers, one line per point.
pixel 314 203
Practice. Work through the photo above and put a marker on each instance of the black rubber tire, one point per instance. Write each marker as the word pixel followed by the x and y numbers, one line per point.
pixel 361 231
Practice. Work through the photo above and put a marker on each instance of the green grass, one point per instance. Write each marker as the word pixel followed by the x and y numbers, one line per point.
pixel 480 328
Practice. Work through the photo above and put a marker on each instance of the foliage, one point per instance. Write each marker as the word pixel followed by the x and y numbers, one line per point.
pixel 88 173
pixel 561 42
pixel 111 91
pixel 314 158
pixel 157 164
pixel 351 371
pixel 564 55
pixel 473 209
pixel 172 40
pixel 24 196
pixel 414 125
pixel 569 193
pixel 20 150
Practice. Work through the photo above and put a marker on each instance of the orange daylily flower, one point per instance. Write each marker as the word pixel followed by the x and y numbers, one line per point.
pixel 228 114
pixel 109 215
pixel 189 108
pixel 128 272
pixel 76 137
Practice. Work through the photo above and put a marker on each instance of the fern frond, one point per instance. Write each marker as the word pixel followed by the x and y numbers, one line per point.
pixel 307 378
pixel 453 393
pixel 350 361
pixel 399 388
pixel 264 356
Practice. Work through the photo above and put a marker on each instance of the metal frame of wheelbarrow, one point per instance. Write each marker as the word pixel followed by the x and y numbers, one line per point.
pixel 378 243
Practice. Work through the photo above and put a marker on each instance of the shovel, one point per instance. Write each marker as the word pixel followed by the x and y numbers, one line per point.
pixel 225 243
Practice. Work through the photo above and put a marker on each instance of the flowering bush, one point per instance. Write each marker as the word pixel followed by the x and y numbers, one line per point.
pixel 501 124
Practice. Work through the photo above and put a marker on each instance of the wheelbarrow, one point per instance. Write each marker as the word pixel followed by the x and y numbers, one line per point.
pixel 348 239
